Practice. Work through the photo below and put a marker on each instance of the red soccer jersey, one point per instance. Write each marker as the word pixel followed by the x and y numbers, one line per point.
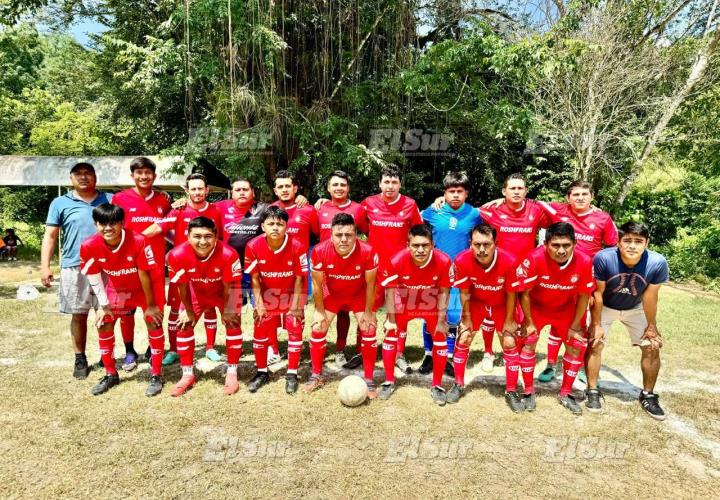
pixel 205 276
pixel 120 265
pixel 554 287
pixel 516 229
pixel 141 212
pixel 418 287
pixel 487 285
pixel 344 276
pixel 302 222
pixel 389 223
pixel 277 269
pixel 592 229
pixel 178 220
pixel 329 210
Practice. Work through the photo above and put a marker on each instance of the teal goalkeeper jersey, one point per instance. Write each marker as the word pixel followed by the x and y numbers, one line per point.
pixel 451 228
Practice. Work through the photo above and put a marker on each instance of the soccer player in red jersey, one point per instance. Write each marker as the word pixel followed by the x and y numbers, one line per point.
pixel 417 286
pixel 205 270
pixel 302 221
pixel 338 187
pixel 344 270
pixel 484 275
pixel 127 261
pixel 143 206
pixel 555 282
pixel 593 228
pixel 390 216
pixel 177 221
pixel 278 267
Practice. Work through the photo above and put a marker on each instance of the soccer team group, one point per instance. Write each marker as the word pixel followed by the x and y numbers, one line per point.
pixel 459 269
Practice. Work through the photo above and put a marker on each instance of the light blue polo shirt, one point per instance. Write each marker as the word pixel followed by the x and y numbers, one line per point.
pixel 74 218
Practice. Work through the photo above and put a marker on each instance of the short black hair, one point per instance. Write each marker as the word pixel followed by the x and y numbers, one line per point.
pixel 342 219
pixel 285 174
pixel 455 180
pixel 633 227
pixel 560 229
pixel 195 177
pixel 421 230
pixel 340 173
pixel 274 212
pixel 390 170
pixel 243 179
pixel 514 177
pixel 107 213
pixel 202 222
pixel 485 229
pixel 579 184
pixel 142 162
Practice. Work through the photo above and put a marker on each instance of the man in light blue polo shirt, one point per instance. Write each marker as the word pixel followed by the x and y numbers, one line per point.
pixel 72 213
pixel 628 280
pixel 451 225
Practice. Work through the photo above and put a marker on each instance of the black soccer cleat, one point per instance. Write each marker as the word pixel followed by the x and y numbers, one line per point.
pixel 354 362
pixel 291 383
pixel 81 370
pixel 105 384
pixel 650 402
pixel 259 380
pixel 592 400
pixel 514 401
pixel 155 386
pixel 427 365
pixel 455 393
pixel 570 403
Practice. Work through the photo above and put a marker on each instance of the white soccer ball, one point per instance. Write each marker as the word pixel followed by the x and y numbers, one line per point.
pixel 352 391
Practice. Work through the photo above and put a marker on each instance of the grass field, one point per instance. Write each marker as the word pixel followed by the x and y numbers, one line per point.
pixel 58 440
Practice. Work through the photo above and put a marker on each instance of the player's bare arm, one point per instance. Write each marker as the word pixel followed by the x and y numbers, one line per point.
pixel 527 311
pixel 443 299
pixel 390 322
pixel 230 317
pixel 187 318
pixel 152 311
pixel 152 230
pixel 510 325
pixel 260 310
pixel 597 334
pixel 575 329
pixel 46 251
pixel 650 301
pixel 319 320
pixel 368 318
pixel 296 309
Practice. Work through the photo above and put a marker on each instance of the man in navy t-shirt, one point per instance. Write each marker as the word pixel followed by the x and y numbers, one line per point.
pixel 628 280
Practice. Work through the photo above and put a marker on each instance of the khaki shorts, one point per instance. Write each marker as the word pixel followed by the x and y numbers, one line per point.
pixel 75 294
pixel 633 319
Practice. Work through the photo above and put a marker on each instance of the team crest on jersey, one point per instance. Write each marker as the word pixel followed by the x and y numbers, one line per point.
pixel 407 277
pixel 574 278
pixel 501 281
pixel 330 266
pixel 435 278
pixel 592 226
pixel 231 210
pixel 236 267
pixel 102 259
pixel 453 223
pixel 263 261
pixel 531 218
pixel 521 272
pixel 298 219
pixel 376 210
pixel 357 268
pixel 129 259
pixel 289 263
pixel 149 255
pixel 160 210
pixel 402 213
pixel 217 270
pixel 503 216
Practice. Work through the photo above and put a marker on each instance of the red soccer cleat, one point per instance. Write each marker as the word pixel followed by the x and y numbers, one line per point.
pixel 185 383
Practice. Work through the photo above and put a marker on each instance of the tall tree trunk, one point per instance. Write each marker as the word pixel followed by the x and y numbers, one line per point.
pixel 696 74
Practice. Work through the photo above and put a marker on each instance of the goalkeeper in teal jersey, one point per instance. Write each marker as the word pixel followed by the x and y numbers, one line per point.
pixel 451 226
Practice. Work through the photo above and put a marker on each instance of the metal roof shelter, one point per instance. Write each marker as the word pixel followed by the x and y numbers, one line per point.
pixel 112 171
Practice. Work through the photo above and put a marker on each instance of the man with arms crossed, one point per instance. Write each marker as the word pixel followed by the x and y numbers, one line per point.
pixel 628 280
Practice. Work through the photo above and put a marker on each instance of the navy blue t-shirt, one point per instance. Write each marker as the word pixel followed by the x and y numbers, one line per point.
pixel 624 286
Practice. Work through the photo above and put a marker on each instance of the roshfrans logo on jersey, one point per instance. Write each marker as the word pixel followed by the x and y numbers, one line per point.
pixel 488 288
pixel 121 272
pixel 387 223
pixel 346 277
pixel 523 230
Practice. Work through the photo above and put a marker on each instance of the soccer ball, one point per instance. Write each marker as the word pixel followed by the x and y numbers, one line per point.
pixel 352 391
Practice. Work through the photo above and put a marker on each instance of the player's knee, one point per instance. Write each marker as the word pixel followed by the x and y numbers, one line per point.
pixel 507 341
pixel 529 348
pixel 595 348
